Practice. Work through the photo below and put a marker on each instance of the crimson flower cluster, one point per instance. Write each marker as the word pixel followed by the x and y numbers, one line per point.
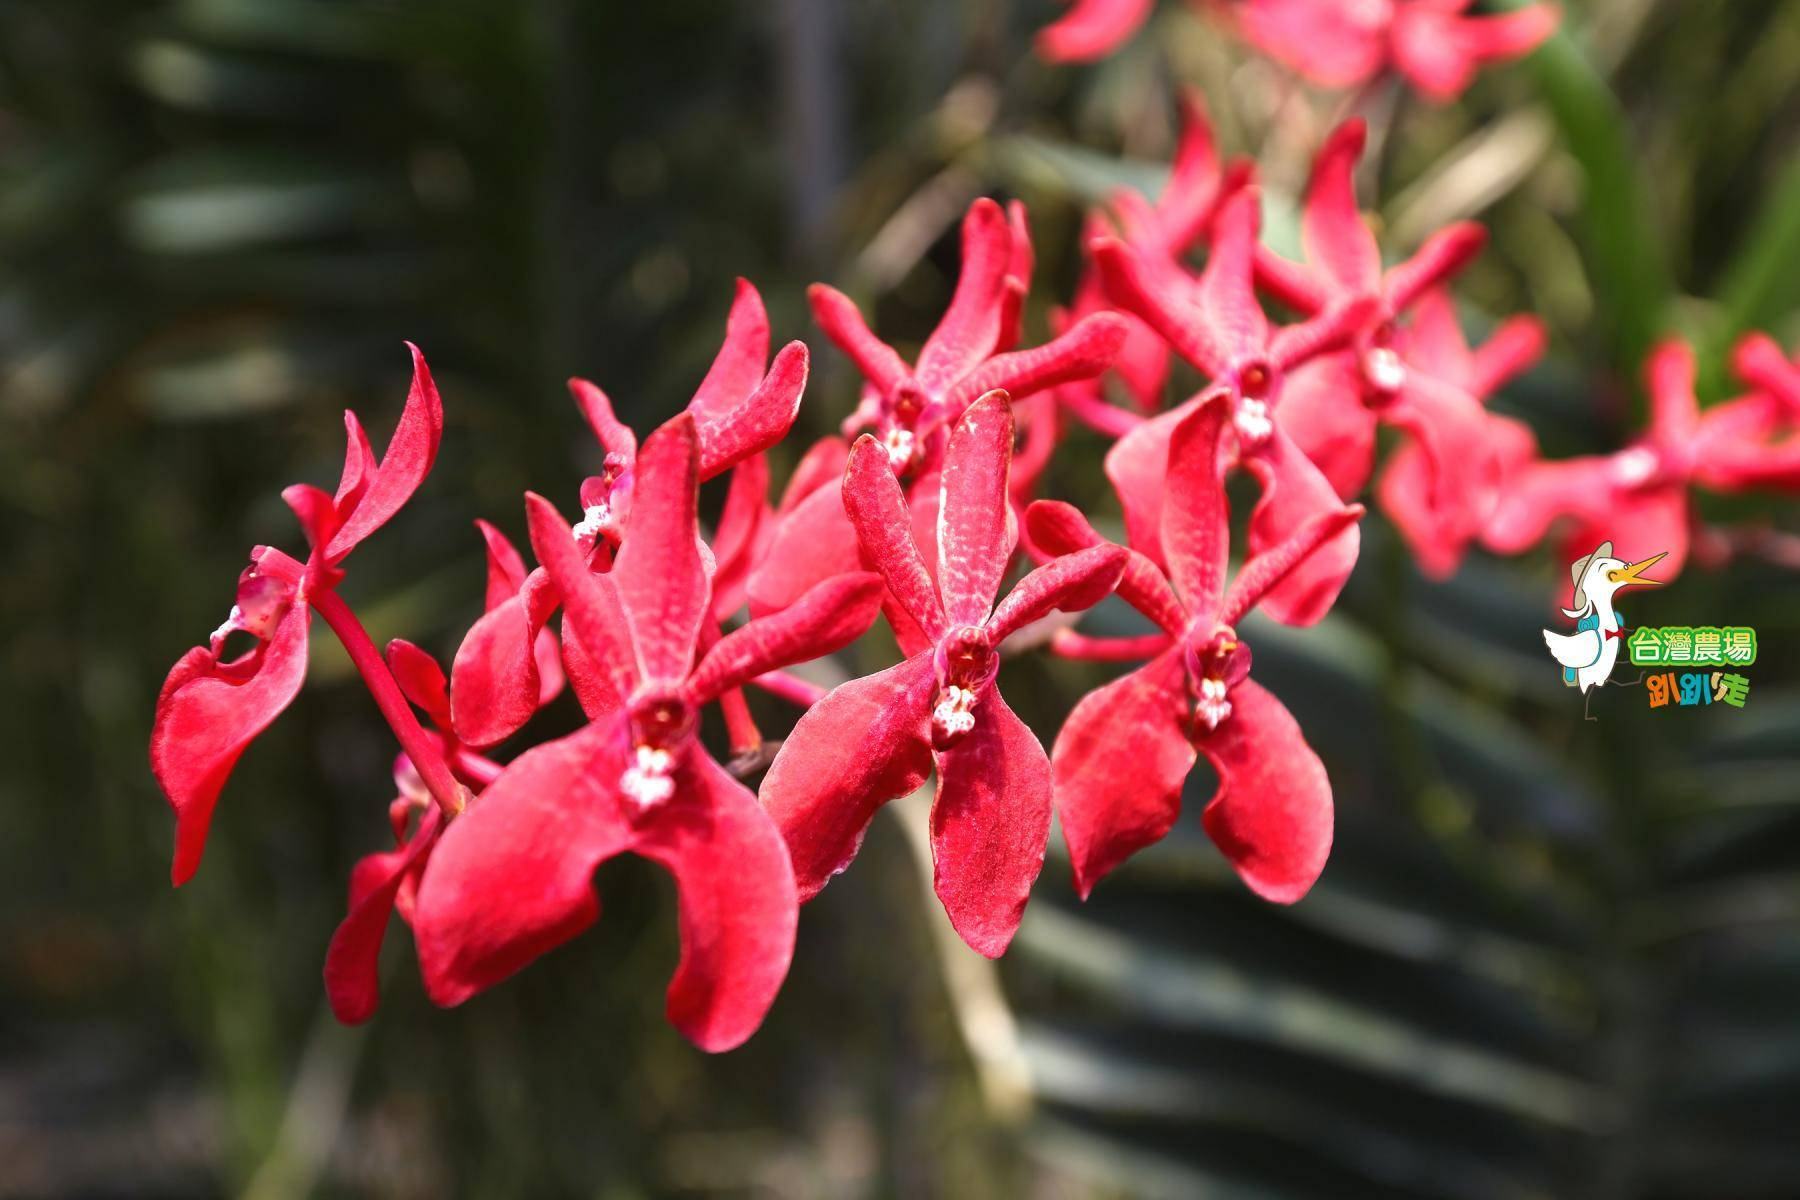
pixel 1437 46
pixel 920 515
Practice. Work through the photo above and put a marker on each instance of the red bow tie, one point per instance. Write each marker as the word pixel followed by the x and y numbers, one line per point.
pixel 1613 633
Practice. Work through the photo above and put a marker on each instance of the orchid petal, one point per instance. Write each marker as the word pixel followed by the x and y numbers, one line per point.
pixel 1322 410
pixel 662 578
pixel 1137 464
pixel 822 464
pixel 974 534
pixel 744 530
pixel 1294 491
pixel 1333 329
pixel 1068 584
pixel 408 458
pixel 206 717
pixel 1091 29
pixel 1443 255
pixel 878 512
pixel 990 825
pixel 1232 320
pixel 867 742
pixel 738 366
pixel 1335 45
pixel 512 877
pixel 1674 409
pixel 837 315
pixel 360 464
pixel 1265 571
pixel 970 327
pixel 599 654
pixel 737 900
pixel 814 541
pixel 1119 764
pixel 1536 495
pixel 1084 352
pixel 352 963
pixel 1272 814
pixel 1514 347
pixel 505 567
pixel 1336 237
pixel 1190 199
pixel 1060 529
pixel 496 684
pixel 1151 296
pixel 1195 532
pixel 1452 429
pixel 421 680
pixel 615 436
pixel 758 420
pixel 823 621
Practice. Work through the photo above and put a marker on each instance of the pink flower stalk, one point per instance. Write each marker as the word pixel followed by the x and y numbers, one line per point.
pixel 499 677
pixel 511 879
pixel 1123 755
pixel 1216 324
pixel 1335 404
pixel 1638 497
pixel 1433 44
pixel 910 408
pixel 1181 218
pixel 212 706
pixel 878 738
pixel 1435 346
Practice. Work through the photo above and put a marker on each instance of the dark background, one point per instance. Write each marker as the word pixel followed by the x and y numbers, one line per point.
pixel 1548 959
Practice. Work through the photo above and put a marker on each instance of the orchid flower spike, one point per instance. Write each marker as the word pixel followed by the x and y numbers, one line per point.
pixel 511 879
pixel 940 707
pixel 1123 755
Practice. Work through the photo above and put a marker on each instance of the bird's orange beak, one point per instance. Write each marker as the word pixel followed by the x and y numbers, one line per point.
pixel 1632 576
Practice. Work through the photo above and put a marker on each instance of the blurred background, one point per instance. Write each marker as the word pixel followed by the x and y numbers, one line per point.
pixel 1548 958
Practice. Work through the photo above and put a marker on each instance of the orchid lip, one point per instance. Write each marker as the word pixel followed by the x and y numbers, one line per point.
pixel 648 783
pixel 1384 371
pixel 966 665
pixel 658 722
pixel 1636 466
pixel 1209 658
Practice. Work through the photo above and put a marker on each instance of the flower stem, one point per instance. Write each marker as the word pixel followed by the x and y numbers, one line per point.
pixel 426 757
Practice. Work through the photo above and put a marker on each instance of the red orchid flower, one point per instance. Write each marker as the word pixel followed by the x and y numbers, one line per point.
pixel 1181 218
pixel 1434 44
pixel 1125 751
pixel 386 882
pixel 1773 405
pixel 497 679
pixel 910 408
pixel 739 411
pixel 1217 324
pixel 212 707
pixel 991 818
pixel 1091 29
pixel 1435 346
pixel 511 878
pixel 508 665
pixel 1638 497
pixel 1334 404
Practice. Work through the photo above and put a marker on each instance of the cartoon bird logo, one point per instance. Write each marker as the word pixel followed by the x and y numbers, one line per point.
pixel 1589 654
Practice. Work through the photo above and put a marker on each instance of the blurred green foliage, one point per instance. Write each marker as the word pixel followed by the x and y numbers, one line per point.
pixel 1548 958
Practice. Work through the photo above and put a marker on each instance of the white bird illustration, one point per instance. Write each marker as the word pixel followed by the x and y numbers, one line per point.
pixel 1589 654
